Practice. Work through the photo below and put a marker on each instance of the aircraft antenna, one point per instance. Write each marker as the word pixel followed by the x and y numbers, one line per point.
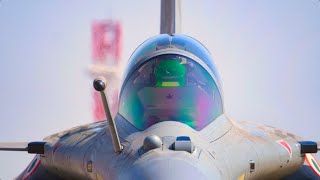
pixel 99 84
pixel 168 15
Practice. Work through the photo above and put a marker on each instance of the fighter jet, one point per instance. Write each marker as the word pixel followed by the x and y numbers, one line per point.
pixel 171 124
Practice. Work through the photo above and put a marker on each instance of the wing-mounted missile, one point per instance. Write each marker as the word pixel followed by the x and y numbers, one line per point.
pixel 307 148
pixel 31 148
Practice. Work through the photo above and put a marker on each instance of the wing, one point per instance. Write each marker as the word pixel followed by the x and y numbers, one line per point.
pixel 304 172
pixel 35 170
pixel 310 170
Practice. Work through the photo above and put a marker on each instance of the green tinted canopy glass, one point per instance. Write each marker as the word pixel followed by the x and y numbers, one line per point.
pixel 170 87
pixel 170 73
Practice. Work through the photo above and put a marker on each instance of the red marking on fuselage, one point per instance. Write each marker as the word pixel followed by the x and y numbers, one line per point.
pixel 33 168
pixel 312 165
pixel 286 146
pixel 56 146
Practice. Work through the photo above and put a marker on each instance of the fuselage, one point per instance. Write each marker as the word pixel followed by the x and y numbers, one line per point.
pixel 171 91
pixel 223 150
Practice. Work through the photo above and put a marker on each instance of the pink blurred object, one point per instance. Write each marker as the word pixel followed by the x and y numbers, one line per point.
pixel 106 40
pixel 106 50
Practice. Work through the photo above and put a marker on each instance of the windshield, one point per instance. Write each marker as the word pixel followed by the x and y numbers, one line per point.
pixel 170 88
pixel 176 41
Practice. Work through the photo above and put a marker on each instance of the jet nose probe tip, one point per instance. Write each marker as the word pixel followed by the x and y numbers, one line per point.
pixel 99 84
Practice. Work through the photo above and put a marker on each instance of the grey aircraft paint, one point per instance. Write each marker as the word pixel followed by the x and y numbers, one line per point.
pixel 172 125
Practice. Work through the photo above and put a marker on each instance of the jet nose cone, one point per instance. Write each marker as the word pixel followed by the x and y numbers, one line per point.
pixel 170 165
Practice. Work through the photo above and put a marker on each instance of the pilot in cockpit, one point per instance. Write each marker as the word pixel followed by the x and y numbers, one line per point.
pixel 170 88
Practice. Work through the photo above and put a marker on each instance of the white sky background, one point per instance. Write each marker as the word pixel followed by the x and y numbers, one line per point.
pixel 267 53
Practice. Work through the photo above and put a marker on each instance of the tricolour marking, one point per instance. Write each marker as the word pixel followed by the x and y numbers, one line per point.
pixel 284 144
pixel 312 162
pixel 33 166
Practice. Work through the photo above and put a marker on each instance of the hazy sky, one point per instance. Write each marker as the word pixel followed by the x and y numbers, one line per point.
pixel 267 52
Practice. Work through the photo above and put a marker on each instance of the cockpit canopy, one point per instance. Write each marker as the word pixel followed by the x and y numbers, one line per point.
pixel 170 78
